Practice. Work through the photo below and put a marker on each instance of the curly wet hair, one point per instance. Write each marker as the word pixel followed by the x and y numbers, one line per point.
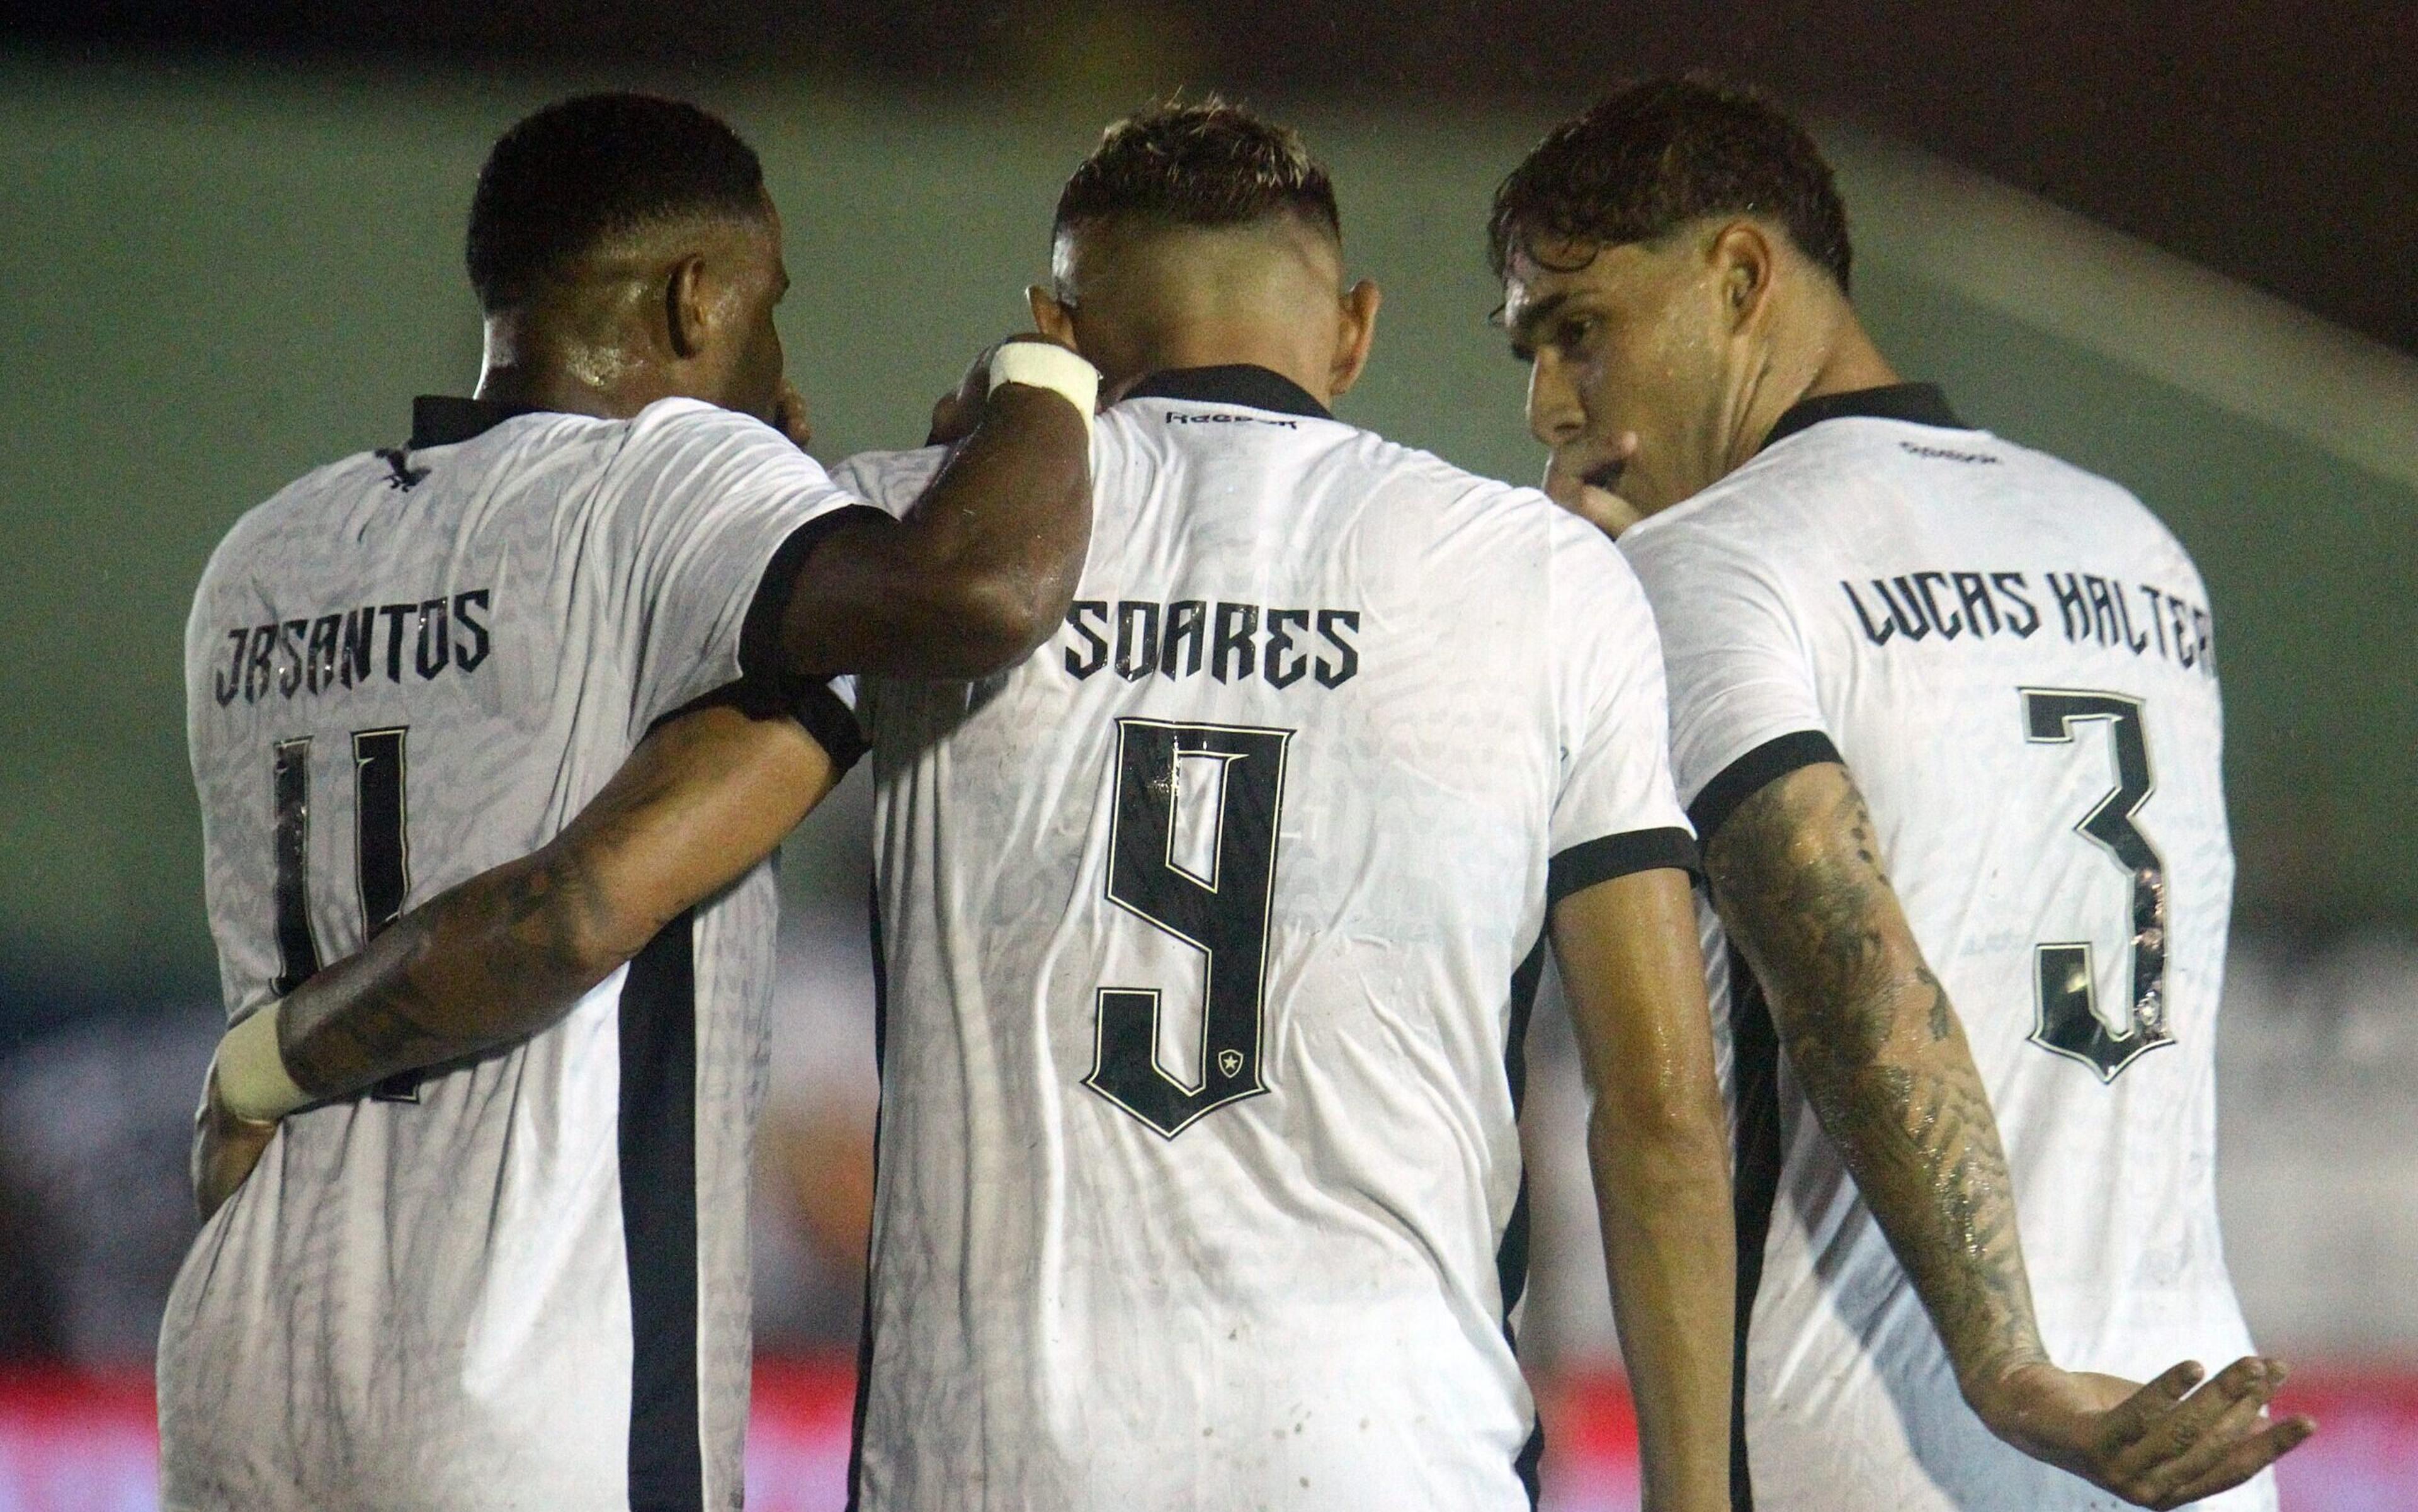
pixel 1664 152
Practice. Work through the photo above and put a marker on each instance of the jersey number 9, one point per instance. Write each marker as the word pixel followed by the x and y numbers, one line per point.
pixel 1206 884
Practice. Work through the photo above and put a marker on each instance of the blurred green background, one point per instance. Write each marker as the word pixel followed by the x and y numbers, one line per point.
pixel 216 278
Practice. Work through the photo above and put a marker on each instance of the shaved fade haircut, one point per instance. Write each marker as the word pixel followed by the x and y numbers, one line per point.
pixel 1203 165
pixel 585 169
pixel 1660 154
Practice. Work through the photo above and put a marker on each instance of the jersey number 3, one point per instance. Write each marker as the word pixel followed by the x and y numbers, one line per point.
pixel 1192 851
pixel 2070 1023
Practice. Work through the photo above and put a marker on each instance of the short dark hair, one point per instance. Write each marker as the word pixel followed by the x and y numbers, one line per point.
pixel 576 172
pixel 1659 154
pixel 1205 164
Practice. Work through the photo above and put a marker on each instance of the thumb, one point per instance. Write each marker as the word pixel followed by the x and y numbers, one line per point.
pixel 790 416
pixel 1588 491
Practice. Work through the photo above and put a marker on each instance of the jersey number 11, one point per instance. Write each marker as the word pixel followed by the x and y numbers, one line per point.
pixel 382 864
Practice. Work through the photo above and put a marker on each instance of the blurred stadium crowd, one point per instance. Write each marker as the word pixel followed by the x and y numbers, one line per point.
pixel 2320 1187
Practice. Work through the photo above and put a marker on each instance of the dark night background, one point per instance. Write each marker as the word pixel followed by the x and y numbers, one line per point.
pixel 2274 141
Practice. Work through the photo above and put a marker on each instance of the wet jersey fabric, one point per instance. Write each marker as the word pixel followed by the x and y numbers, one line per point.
pixel 2017 663
pixel 520 1282
pixel 1209 936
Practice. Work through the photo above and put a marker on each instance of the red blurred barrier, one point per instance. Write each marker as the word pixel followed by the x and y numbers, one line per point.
pixel 72 1443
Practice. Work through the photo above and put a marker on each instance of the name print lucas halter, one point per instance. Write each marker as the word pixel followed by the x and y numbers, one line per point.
pixel 1945 712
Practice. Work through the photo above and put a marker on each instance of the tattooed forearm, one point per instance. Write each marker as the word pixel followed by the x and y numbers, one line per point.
pixel 1871 1036
pixel 502 956
pixel 479 966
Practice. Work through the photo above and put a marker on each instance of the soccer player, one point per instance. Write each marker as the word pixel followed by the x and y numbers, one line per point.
pixel 1945 712
pixel 521 1280
pixel 1211 930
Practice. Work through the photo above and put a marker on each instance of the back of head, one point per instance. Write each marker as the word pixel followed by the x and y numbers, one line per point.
pixel 1198 233
pixel 1660 155
pixel 576 174
pixel 1206 165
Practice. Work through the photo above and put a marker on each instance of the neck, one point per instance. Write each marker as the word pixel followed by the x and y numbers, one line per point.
pixel 522 365
pixel 1845 362
pixel 1851 363
pixel 1214 346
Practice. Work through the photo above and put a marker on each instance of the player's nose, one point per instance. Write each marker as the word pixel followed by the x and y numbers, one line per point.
pixel 1556 417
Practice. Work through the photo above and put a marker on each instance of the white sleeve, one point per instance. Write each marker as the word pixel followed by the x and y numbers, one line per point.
pixel 710 514
pixel 1745 709
pixel 1618 810
pixel 891 481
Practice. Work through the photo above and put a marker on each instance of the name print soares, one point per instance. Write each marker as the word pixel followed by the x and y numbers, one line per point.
pixel 1235 642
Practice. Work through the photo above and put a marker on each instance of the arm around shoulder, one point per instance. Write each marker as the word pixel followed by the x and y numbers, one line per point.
pixel 978 573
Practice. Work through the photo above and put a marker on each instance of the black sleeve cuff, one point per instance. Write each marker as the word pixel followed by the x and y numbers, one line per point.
pixel 819 712
pixel 1584 864
pixel 759 634
pixel 1752 772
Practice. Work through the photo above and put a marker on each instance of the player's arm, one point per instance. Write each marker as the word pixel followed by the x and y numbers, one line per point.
pixel 486 964
pixel 1871 1036
pixel 981 569
pixel 1634 976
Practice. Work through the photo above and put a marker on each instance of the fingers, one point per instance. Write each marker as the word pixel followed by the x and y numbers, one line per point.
pixel 2176 1444
pixel 1041 336
pixel 953 419
pixel 2132 1417
pixel 1585 483
pixel 2239 1443
pixel 2243 1460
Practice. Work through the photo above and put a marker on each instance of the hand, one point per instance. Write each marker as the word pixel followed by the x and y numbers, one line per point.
pixel 1584 486
pixel 225 1149
pixel 959 411
pixel 790 416
pixel 2158 1446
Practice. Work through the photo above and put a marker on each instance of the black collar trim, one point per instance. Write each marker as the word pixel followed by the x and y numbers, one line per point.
pixel 1237 383
pixel 442 419
pixel 1921 403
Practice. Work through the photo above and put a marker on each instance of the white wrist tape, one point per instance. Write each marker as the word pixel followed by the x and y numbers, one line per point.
pixel 254 1083
pixel 1047 365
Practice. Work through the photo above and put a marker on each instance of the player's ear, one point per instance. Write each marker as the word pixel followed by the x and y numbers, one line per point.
pixel 1354 335
pixel 686 308
pixel 1743 265
pixel 1050 317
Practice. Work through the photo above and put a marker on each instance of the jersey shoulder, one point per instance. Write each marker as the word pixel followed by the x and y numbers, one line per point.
pixel 305 503
pixel 2100 508
pixel 890 480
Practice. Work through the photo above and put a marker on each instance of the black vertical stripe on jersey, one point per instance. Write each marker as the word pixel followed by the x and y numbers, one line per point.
pixel 658 1146
pixel 297 949
pixel 1754 1068
pixel 380 849
pixel 1512 1257
pixel 865 1325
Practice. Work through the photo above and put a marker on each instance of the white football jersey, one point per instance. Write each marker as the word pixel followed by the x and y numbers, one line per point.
pixel 520 1282
pixel 2015 660
pixel 1210 936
